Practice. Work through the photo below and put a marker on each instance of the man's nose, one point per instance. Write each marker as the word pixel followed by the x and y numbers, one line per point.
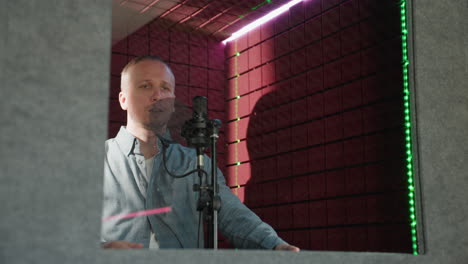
pixel 156 95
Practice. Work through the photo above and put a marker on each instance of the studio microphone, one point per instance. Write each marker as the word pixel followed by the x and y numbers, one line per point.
pixel 195 129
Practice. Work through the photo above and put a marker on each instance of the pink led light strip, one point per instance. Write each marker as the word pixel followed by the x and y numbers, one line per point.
pixel 139 213
pixel 262 20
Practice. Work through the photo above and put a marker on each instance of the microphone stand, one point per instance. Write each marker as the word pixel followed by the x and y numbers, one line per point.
pixel 202 133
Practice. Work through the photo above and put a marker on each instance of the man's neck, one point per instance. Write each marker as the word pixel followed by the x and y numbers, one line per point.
pixel 147 139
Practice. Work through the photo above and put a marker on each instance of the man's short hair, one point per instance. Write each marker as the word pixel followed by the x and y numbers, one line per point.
pixel 138 59
pixel 145 58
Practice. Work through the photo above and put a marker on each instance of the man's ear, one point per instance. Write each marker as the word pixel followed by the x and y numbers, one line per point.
pixel 123 101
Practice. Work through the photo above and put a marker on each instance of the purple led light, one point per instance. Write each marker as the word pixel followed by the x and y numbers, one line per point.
pixel 262 20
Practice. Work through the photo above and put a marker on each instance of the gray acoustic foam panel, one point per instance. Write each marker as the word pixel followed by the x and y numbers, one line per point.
pixel 53 107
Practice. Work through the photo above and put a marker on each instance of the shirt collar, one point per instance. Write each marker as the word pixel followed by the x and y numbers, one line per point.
pixel 129 143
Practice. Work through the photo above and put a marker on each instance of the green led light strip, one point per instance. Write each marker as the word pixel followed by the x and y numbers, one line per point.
pixel 409 152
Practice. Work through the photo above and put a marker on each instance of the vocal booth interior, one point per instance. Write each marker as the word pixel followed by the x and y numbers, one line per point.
pixel 314 105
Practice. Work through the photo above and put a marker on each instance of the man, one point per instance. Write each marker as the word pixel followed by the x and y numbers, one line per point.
pixel 136 180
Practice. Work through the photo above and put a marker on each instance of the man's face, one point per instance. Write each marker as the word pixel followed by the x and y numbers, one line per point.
pixel 148 93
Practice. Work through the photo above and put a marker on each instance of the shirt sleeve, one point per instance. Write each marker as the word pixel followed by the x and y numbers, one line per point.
pixel 242 227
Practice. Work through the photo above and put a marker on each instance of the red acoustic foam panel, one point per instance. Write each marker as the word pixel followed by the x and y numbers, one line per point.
pixel 317 158
pixel 335 183
pixel 254 56
pixel 297 37
pixel 270 217
pixel 116 114
pixel 283 140
pixel 333 128
pixel 243 106
pixel 352 95
pixel 331 21
pixel 194 91
pixel 270 193
pixel 138 45
pixel 216 55
pixel 118 62
pixel 268 74
pixel 317 185
pixel 316 132
pixel 332 74
pixel 284 191
pixel 315 80
pixel 349 12
pixel 334 155
pixel 284 163
pixel 301 239
pixel 337 239
pixel 254 37
pixel 242 62
pixel 318 213
pixel 114 87
pixel 300 162
pixel 283 68
pixel 300 189
pixel 160 48
pixel 336 212
pixel 374 149
pixel 269 144
pixel 255 79
pixel 299 86
pixel 314 54
pixel 121 46
pixel 179 52
pixel 355 180
pixel 216 100
pixel 231 69
pixel 369 61
pixel 198 77
pixel 179 36
pixel 352 123
pixel 356 208
pixel 285 215
pixel 353 151
pixel 242 43
pixel 299 61
pixel 243 84
pixel 332 101
pixel 313 30
pixel 254 99
pixel 300 136
pixel 350 40
pixel 300 215
pixel 282 44
pixel 281 22
pixel 113 129
pixel 216 80
pixel 318 237
pixel 331 48
pixel 267 31
pixel 351 68
pixel 267 50
pixel 181 72
pixel 198 56
pixel 296 14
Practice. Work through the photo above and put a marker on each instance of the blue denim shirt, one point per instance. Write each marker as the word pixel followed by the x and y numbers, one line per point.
pixel 125 192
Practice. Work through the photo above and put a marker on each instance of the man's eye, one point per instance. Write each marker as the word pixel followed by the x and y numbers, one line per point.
pixel 145 86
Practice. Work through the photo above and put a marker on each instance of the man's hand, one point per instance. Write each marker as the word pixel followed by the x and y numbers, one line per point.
pixel 286 247
pixel 121 244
